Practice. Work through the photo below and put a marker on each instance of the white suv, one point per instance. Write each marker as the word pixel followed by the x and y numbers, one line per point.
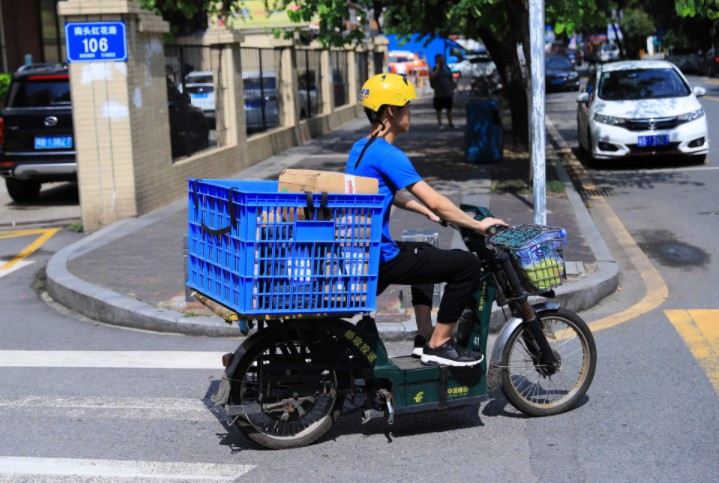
pixel 609 53
pixel 641 108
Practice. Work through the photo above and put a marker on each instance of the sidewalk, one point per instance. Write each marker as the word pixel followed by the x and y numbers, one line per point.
pixel 132 273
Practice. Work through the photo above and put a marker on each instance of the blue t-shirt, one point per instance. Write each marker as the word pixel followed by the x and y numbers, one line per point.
pixel 394 170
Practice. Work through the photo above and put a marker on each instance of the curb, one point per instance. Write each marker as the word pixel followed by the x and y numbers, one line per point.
pixel 107 306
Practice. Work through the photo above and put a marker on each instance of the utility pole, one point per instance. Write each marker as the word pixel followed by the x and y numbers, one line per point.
pixel 537 132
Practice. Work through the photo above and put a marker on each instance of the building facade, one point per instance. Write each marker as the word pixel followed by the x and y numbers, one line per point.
pixel 30 32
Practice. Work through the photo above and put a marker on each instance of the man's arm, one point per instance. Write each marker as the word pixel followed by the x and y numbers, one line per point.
pixel 406 202
pixel 434 72
pixel 448 211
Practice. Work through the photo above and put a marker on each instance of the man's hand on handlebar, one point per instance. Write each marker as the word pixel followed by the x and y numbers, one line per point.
pixel 490 225
pixel 432 217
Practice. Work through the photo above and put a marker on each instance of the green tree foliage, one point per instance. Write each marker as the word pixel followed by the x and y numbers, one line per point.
pixel 4 86
pixel 338 23
pixel 184 16
pixel 500 24
pixel 702 8
pixel 637 26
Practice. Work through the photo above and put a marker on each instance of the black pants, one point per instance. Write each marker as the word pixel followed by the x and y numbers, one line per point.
pixel 422 265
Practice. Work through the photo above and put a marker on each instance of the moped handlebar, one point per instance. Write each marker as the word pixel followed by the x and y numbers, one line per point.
pixel 491 231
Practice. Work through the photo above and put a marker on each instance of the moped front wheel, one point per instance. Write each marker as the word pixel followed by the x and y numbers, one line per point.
pixel 538 390
pixel 290 389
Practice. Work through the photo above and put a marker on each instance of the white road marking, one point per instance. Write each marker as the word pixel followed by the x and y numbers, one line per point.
pixel 159 408
pixel 113 469
pixel 113 359
pixel 15 266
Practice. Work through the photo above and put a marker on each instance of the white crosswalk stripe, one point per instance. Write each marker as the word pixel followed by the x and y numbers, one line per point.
pixel 113 359
pixel 23 469
pixel 196 410
pixel 175 409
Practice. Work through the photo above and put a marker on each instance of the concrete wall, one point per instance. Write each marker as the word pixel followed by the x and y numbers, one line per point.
pixel 121 119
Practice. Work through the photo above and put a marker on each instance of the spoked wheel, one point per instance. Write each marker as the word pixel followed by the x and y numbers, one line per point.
pixel 290 390
pixel 538 390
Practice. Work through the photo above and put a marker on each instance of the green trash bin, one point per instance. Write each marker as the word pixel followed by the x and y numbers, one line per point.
pixel 483 131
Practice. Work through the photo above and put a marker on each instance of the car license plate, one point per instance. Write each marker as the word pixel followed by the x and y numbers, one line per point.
pixel 53 142
pixel 200 95
pixel 644 141
pixel 557 82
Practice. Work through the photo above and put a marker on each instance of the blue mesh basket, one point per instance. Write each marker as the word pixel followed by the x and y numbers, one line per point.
pixel 537 254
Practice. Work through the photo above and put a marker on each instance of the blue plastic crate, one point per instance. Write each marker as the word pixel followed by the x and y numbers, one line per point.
pixel 264 253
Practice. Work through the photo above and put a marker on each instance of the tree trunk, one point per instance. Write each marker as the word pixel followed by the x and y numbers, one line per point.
pixel 504 55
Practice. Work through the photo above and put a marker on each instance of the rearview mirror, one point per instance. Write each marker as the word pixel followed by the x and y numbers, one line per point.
pixel 583 98
pixel 699 91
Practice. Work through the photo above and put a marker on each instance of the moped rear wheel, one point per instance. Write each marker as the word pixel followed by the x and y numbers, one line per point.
pixel 540 391
pixel 290 389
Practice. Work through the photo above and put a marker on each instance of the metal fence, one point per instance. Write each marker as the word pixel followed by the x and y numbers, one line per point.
pixel 361 67
pixel 194 99
pixel 260 76
pixel 309 72
pixel 338 64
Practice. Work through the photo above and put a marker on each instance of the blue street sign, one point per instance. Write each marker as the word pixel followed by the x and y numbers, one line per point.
pixel 96 41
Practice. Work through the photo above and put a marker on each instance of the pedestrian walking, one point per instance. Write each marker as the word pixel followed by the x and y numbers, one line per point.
pixel 443 84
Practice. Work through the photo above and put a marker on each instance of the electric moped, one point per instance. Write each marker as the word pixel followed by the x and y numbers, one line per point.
pixel 287 383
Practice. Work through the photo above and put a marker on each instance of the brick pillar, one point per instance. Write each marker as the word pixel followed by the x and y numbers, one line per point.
pixel 120 112
pixel 326 80
pixel 289 87
pixel 352 87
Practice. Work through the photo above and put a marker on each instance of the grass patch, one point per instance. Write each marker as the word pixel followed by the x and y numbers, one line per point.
pixel 521 187
pixel 75 227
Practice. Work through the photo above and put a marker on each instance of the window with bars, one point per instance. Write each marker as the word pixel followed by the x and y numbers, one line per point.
pixel 309 73
pixel 378 62
pixel 362 68
pixel 338 64
pixel 260 76
pixel 194 97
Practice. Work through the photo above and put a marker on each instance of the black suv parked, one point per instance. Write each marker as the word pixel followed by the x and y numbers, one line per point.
pixel 36 137
pixel 37 143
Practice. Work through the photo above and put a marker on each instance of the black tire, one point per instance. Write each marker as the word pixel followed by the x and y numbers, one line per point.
pixel 295 412
pixel 23 190
pixel 698 159
pixel 582 149
pixel 528 386
pixel 592 162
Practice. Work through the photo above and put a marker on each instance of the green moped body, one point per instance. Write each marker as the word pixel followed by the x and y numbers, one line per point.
pixel 416 387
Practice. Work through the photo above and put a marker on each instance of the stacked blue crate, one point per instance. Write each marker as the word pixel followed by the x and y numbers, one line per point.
pixel 264 253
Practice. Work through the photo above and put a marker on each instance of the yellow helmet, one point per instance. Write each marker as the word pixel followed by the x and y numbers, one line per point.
pixel 391 89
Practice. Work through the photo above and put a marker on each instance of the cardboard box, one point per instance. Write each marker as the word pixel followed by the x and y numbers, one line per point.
pixel 301 180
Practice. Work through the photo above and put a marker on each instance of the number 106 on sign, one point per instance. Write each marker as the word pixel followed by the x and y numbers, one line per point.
pixel 94 45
